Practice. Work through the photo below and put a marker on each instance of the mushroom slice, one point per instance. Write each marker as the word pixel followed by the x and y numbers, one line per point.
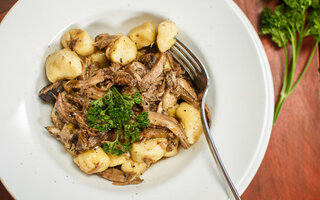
pixel 49 93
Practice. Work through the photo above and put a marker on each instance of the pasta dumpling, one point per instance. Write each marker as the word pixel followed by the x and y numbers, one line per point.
pixel 79 41
pixel 130 166
pixel 190 117
pixel 167 31
pixel 99 57
pixel 123 51
pixel 150 150
pixel 93 161
pixel 63 64
pixel 116 160
pixel 143 35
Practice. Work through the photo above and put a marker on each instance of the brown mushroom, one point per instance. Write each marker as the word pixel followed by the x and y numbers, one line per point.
pixel 49 93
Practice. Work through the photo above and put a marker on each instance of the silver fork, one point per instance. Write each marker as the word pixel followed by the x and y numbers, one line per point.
pixel 200 79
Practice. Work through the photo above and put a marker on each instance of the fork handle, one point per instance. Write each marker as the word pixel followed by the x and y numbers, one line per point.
pixel 231 190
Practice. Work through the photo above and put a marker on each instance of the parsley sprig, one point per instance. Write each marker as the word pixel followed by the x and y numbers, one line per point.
pixel 290 23
pixel 114 111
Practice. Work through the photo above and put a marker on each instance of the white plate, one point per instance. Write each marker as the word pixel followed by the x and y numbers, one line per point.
pixel 35 166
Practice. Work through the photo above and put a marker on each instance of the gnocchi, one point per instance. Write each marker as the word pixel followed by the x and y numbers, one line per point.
pixel 63 64
pixel 172 110
pixel 168 100
pixel 79 41
pixel 123 51
pixel 143 35
pixel 191 120
pixel 99 57
pixel 93 161
pixel 152 150
pixel 167 31
pixel 116 160
pixel 131 166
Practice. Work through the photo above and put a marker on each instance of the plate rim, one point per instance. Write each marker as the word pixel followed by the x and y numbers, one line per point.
pixel 267 124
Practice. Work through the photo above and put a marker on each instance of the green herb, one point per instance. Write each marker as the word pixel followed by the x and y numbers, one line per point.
pixel 114 112
pixel 290 23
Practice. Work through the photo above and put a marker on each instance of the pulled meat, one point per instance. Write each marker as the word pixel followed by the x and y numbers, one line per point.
pixel 119 177
pixel 152 133
pixel 156 70
pixel 170 123
pixel 104 40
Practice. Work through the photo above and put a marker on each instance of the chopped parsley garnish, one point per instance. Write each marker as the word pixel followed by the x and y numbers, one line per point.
pixel 114 112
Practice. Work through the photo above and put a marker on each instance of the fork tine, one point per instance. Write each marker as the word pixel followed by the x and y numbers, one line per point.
pixel 180 53
pixel 184 56
pixel 183 62
pixel 189 55
pixel 191 64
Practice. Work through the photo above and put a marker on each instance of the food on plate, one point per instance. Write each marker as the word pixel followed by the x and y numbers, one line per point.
pixel 189 116
pixel 172 148
pixel 143 35
pixel 123 105
pixel 93 161
pixel 132 167
pixel 98 57
pixel 116 160
pixel 79 41
pixel 167 31
pixel 149 151
pixel 63 64
pixel 122 51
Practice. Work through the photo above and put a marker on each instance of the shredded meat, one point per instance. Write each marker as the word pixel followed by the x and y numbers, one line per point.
pixel 149 60
pixel 64 135
pixel 137 70
pixel 151 133
pixel 94 93
pixel 62 111
pixel 119 177
pixel 104 40
pixel 170 123
pixel 129 90
pixel 156 70
pixel 57 122
pixel 187 92
pixel 124 78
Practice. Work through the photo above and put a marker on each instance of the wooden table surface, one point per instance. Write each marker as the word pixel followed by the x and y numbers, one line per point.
pixel 291 166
